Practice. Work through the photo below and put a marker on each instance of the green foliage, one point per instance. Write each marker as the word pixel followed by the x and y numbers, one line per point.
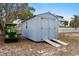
pixel 23 14
pixel 24 11
pixel 65 23
pixel 75 22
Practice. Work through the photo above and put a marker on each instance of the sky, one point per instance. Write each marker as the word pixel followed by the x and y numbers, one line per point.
pixel 67 10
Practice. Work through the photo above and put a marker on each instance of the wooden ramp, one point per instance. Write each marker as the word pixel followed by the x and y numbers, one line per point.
pixel 52 43
pixel 57 43
pixel 61 42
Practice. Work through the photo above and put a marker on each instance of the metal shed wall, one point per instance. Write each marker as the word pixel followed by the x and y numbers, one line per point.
pixel 40 27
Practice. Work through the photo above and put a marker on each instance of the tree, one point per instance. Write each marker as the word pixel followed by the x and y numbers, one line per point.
pixel 24 14
pixel 65 23
pixel 7 9
pixel 24 11
pixel 10 9
pixel 0 10
pixel 75 22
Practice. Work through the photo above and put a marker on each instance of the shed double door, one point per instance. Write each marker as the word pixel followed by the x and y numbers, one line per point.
pixel 47 29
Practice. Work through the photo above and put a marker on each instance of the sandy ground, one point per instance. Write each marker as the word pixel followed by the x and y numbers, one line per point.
pixel 26 47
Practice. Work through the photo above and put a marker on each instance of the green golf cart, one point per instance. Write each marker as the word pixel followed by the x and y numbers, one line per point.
pixel 10 33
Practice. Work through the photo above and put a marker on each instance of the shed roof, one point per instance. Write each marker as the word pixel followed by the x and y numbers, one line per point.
pixel 50 14
pixel 45 13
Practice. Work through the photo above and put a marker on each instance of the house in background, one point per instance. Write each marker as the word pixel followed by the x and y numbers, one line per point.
pixel 61 21
pixel 17 21
pixel 18 26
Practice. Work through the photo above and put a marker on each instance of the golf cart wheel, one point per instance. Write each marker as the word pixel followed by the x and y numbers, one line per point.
pixel 7 41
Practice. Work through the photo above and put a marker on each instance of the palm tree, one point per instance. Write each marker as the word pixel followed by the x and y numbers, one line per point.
pixel 75 22
pixel 65 23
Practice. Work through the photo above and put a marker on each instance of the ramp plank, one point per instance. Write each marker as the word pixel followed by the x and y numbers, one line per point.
pixel 61 42
pixel 52 43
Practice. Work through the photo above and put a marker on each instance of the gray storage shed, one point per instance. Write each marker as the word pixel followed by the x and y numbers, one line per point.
pixel 41 27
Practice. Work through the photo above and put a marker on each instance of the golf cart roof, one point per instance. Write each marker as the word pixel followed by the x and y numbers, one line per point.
pixel 10 24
